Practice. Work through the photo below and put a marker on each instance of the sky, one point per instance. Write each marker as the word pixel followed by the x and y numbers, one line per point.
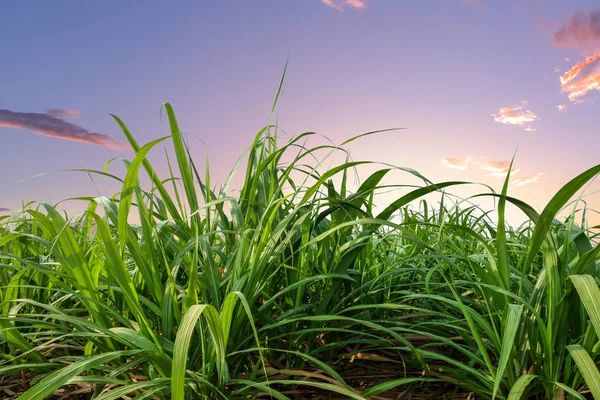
pixel 472 81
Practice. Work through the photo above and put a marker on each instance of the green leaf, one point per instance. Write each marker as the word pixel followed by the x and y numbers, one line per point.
pixel 129 186
pixel 184 167
pixel 557 202
pixel 415 194
pixel 501 249
pixel 516 392
pixel 56 379
pixel 389 385
pixel 590 297
pixel 183 340
pixel 513 320
pixel 587 367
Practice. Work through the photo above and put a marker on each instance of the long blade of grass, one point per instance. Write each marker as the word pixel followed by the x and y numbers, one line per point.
pixel 513 319
pixel 55 380
pixel 588 291
pixel 518 389
pixel 554 206
pixel 587 367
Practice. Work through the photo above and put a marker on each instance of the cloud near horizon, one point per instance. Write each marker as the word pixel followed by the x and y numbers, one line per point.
pixel 498 169
pixel 526 179
pixel 340 4
pixel 515 116
pixel 581 31
pixel 63 113
pixel 49 125
pixel 455 163
pixel 2 209
pixel 582 78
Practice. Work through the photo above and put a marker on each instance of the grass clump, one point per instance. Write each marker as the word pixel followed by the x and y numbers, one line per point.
pixel 297 287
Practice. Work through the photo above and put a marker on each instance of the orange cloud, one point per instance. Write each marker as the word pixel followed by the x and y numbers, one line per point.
pixel 49 125
pixel 498 168
pixel 515 116
pixel 582 78
pixel 581 31
pixel 455 163
pixel 529 178
pixel 63 113
pixel 340 4
pixel 561 107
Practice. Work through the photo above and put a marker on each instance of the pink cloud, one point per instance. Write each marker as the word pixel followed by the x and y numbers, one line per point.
pixel 526 179
pixel 582 78
pixel 63 113
pixel 455 163
pixel 49 125
pixel 498 169
pixel 341 4
pixel 515 116
pixel 581 31
pixel 561 107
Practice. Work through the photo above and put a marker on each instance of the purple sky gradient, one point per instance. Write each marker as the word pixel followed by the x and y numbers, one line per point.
pixel 440 68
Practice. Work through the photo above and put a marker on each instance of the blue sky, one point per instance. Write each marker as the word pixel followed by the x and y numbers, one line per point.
pixel 440 68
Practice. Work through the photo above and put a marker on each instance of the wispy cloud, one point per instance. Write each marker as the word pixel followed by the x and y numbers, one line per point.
pixel 529 178
pixel 341 4
pixel 561 107
pixel 63 113
pixel 498 168
pixel 49 125
pixel 515 116
pixel 582 78
pixel 455 163
pixel 581 31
